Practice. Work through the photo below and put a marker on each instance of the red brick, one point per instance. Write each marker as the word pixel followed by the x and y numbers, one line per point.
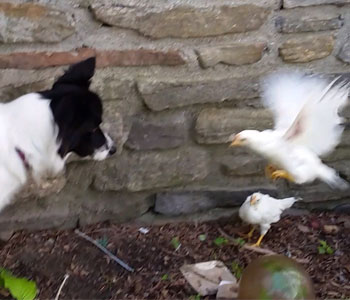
pixel 112 58
pixel 40 60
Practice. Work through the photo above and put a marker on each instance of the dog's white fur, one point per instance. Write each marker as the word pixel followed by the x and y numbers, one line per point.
pixel 27 123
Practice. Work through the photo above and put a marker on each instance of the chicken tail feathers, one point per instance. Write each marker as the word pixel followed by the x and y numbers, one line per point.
pixel 336 182
pixel 288 202
pixel 330 176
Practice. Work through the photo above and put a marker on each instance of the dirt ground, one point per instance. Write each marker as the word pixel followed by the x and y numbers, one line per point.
pixel 47 256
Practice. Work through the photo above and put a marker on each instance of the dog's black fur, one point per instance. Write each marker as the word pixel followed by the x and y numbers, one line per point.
pixel 77 111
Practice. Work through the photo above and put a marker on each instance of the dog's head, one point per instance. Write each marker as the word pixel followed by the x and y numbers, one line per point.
pixel 78 113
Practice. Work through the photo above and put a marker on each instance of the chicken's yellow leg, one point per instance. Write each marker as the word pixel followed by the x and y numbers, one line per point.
pixel 269 169
pixel 257 244
pixel 282 174
pixel 250 233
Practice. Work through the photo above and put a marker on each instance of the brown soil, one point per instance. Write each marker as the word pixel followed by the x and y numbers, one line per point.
pixel 47 256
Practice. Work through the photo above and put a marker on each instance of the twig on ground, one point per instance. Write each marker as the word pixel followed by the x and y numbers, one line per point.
pixel 61 286
pixel 302 260
pixel 172 253
pixel 258 249
pixel 251 248
pixel 103 249
pixel 230 238
pixel 347 287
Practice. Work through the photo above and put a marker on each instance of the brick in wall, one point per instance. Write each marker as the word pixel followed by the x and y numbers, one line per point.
pixel 112 58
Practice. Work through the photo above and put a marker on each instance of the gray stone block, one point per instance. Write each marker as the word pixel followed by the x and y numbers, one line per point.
pixel 181 20
pixel 163 94
pixel 301 3
pixel 111 206
pixel 189 202
pixel 158 132
pixel 309 19
pixel 139 171
pixel 236 54
pixel 242 165
pixel 30 22
pixel 216 125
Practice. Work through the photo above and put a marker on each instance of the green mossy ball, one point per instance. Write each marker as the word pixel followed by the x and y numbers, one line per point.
pixel 275 277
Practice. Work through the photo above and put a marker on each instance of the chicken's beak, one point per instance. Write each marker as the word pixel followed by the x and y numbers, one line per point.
pixel 252 200
pixel 236 141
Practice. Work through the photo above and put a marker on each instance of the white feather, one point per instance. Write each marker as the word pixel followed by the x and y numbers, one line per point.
pixel 285 94
pixel 265 211
pixel 309 103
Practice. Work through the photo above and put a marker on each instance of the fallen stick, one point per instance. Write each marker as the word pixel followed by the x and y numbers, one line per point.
pixel 258 249
pixel 61 286
pixel 103 249
pixel 251 248
pixel 172 253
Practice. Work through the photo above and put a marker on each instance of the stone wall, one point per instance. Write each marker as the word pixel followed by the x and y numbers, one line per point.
pixel 177 79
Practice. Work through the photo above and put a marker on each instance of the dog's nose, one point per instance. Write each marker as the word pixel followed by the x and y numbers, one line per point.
pixel 112 150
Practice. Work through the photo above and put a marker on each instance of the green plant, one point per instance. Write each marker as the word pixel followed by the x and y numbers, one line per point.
pixel 202 237
pixel 239 241
pixel 175 242
pixel 195 297
pixel 165 277
pixel 219 241
pixel 19 288
pixel 103 241
pixel 236 269
pixel 324 248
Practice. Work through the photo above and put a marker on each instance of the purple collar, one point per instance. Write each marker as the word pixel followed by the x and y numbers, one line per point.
pixel 23 158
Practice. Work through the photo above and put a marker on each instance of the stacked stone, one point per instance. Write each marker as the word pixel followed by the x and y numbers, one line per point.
pixel 177 79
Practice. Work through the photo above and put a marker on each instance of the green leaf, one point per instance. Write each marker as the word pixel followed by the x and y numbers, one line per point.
pixel 20 288
pixel 220 241
pixel 202 237
pixel 324 248
pixel 103 241
pixel 165 277
pixel 240 241
pixel 323 243
pixel 329 250
pixel 236 270
pixel 175 242
pixel 321 250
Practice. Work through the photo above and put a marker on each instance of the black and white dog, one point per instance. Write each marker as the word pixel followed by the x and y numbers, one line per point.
pixel 38 131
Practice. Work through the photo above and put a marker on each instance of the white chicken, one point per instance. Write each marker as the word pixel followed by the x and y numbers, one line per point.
pixel 307 126
pixel 263 210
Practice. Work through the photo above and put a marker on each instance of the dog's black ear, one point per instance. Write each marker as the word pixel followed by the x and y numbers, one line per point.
pixel 79 74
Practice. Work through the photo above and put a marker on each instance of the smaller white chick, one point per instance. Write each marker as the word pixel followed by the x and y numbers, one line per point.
pixel 263 210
